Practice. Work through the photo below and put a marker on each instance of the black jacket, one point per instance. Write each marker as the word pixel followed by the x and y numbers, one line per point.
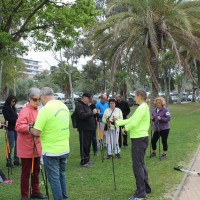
pixel 85 117
pixel 10 115
pixel 124 107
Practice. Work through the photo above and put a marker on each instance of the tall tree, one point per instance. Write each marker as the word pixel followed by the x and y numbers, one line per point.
pixel 150 26
pixel 47 24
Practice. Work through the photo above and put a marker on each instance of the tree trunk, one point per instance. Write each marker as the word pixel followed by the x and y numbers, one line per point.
pixel 198 72
pixel 154 76
pixel 1 71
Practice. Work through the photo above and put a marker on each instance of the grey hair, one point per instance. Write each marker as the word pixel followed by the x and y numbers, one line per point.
pixel 142 93
pixel 46 91
pixel 33 92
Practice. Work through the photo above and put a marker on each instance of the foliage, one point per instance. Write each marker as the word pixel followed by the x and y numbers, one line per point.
pixel 150 27
pixel 42 80
pixel 97 181
pixel 49 24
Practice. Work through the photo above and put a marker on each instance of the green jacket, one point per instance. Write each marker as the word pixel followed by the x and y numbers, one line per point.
pixel 138 124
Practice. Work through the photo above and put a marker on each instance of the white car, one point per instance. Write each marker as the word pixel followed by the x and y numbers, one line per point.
pixel 59 96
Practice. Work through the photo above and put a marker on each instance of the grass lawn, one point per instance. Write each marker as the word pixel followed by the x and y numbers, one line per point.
pixel 96 183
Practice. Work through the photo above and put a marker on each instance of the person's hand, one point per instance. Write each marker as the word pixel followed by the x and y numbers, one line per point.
pixel 95 111
pixel 123 131
pixel 158 117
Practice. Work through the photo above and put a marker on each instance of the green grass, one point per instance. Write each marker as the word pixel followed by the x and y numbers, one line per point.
pixel 96 183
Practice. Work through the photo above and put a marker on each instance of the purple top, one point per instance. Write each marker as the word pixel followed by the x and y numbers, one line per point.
pixel 162 124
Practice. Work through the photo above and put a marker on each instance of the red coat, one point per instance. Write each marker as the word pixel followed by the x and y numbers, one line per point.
pixel 25 144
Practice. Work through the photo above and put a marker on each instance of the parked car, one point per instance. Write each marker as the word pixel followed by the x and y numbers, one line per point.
pixel 68 102
pixel 59 96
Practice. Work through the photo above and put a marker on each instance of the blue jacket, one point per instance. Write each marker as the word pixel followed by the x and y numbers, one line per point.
pixel 102 107
pixel 162 124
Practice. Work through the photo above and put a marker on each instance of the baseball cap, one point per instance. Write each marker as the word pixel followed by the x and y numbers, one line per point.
pixel 87 94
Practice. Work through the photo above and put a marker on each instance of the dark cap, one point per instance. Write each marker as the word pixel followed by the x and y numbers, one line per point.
pixel 87 94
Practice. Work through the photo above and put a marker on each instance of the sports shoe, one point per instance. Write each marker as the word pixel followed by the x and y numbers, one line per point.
pixel 38 196
pixel 163 156
pixel 85 165
pixel 152 155
pixel 109 156
pixel 118 155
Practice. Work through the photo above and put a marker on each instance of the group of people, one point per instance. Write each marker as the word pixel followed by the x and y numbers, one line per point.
pixel 39 134
pixel 112 119
pixel 44 133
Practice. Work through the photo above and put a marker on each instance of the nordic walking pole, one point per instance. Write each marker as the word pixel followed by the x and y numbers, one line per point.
pixel 150 137
pixel 44 179
pixel 159 139
pixel 100 136
pixel 8 152
pixel 186 171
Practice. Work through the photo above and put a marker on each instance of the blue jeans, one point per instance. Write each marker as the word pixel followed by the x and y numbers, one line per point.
pixel 55 167
pixel 12 138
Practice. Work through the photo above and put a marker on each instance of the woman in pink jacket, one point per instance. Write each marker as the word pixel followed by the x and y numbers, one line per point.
pixel 29 147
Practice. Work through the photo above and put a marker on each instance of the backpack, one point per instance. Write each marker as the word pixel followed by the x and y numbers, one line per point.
pixel 74 120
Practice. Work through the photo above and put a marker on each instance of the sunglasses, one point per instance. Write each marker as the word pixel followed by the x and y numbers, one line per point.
pixel 36 99
pixel 14 101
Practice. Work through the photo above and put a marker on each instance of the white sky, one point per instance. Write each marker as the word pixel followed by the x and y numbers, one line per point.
pixel 47 59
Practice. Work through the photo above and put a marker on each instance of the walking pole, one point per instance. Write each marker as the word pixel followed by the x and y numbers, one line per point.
pixel 113 166
pixel 100 136
pixel 159 139
pixel 44 179
pixel 8 152
pixel 150 137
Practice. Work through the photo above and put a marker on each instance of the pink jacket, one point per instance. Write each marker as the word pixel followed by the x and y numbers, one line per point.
pixel 25 144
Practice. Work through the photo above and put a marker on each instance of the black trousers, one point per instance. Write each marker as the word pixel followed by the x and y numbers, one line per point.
pixel 139 146
pixel 85 138
pixel 164 135
pixel 125 141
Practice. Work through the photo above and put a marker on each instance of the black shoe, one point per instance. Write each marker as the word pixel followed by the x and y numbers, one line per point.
pixel 118 155
pixel 149 191
pixel 109 157
pixel 38 196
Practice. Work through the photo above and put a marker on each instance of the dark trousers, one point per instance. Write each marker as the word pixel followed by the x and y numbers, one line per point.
pixel 94 141
pixel 164 135
pixel 85 138
pixel 25 175
pixel 139 146
pixel 12 137
pixel 125 141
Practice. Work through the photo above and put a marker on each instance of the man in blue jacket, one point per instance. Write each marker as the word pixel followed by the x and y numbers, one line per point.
pixel 101 106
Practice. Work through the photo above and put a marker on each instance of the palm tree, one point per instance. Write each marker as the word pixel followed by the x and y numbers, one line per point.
pixel 141 29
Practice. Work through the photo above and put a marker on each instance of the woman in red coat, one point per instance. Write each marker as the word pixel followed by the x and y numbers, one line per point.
pixel 29 146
